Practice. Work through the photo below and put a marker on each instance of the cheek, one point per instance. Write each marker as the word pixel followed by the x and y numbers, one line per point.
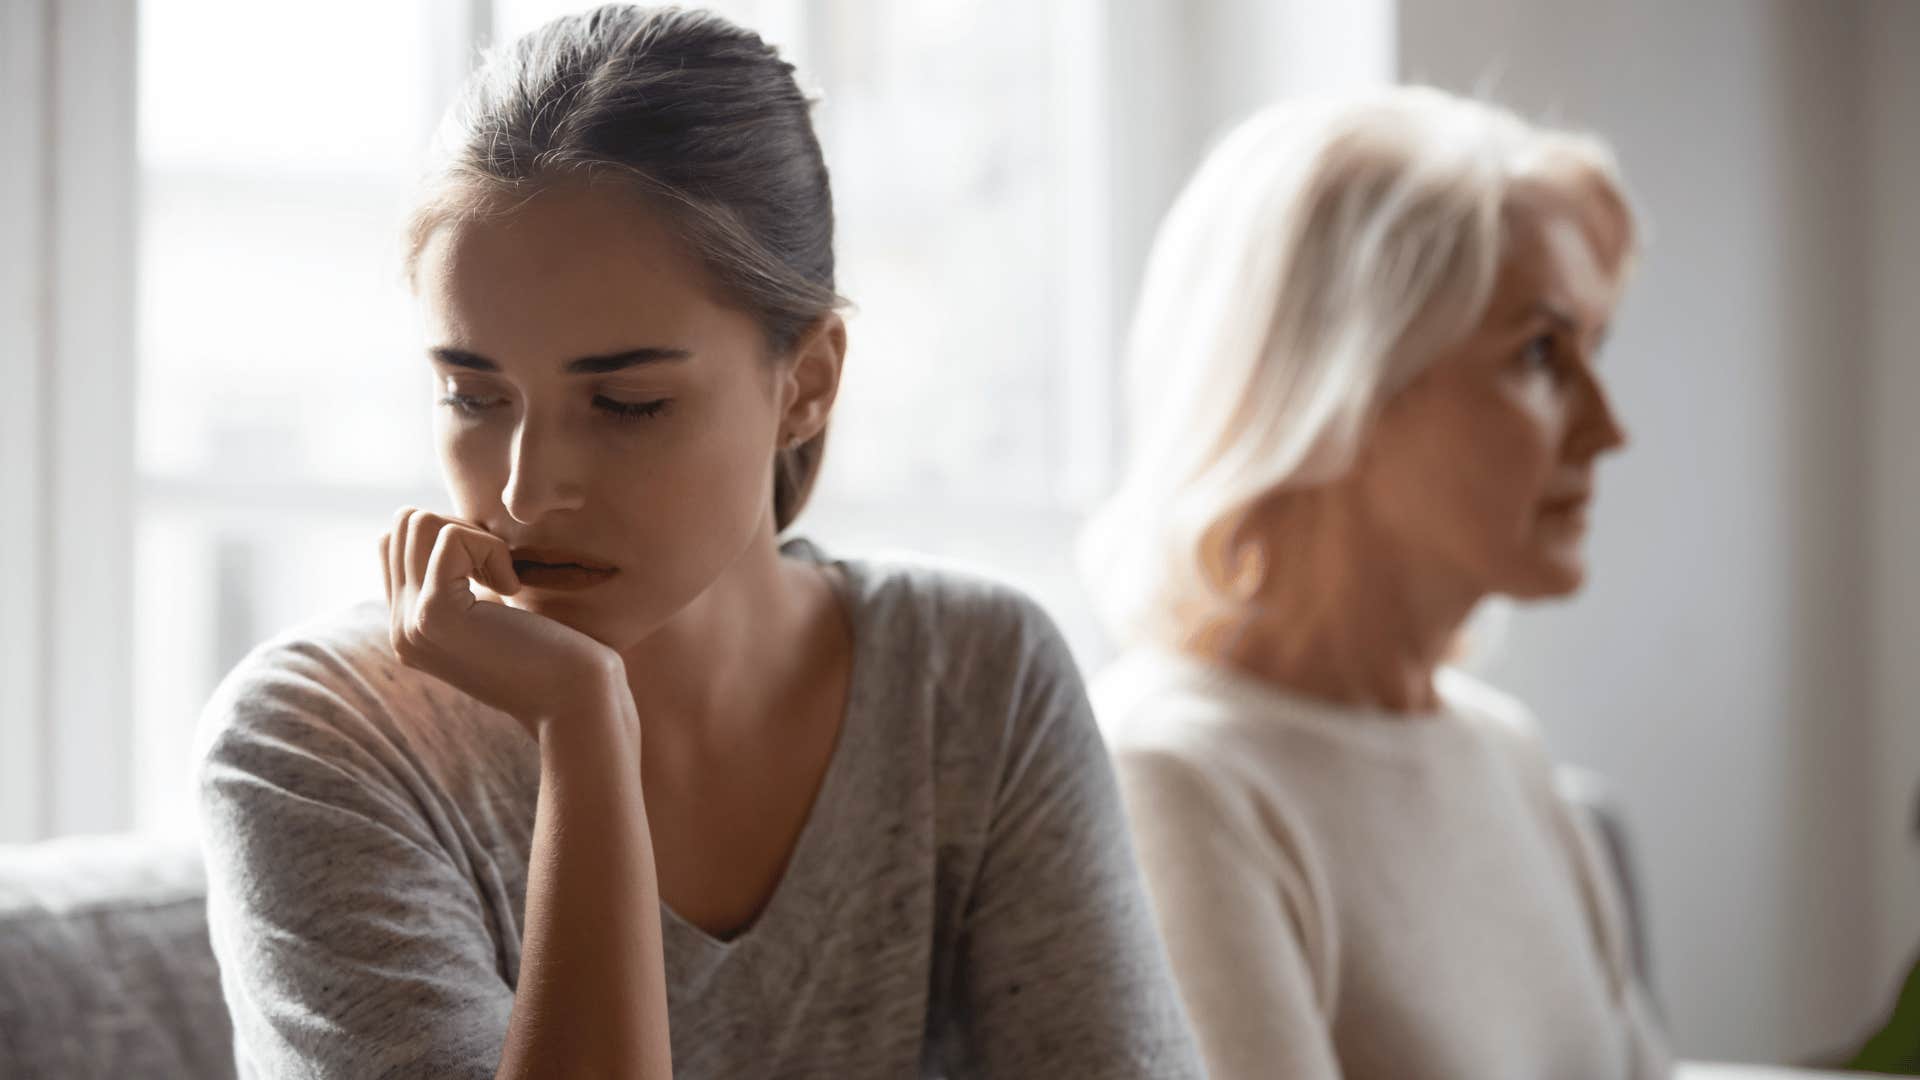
pixel 1464 472
pixel 473 464
pixel 691 494
pixel 710 478
pixel 1505 461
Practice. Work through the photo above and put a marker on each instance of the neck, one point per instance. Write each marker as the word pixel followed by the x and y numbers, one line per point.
pixel 1343 618
pixel 713 666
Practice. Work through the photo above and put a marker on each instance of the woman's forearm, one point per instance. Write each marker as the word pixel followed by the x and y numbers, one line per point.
pixel 592 997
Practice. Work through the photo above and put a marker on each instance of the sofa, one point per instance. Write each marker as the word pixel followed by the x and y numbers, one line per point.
pixel 105 967
pixel 106 970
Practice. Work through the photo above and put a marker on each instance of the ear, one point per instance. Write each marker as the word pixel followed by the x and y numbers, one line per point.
pixel 812 378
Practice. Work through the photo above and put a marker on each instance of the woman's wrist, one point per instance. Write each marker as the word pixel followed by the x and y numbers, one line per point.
pixel 596 719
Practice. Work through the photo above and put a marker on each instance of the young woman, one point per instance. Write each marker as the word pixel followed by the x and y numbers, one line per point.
pixel 614 783
pixel 1364 380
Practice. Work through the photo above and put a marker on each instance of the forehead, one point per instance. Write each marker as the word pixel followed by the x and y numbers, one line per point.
pixel 1561 249
pixel 569 272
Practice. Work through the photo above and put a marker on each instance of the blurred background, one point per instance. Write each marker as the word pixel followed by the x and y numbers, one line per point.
pixel 211 397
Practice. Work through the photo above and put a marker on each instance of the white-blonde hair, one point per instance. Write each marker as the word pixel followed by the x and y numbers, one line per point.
pixel 1321 256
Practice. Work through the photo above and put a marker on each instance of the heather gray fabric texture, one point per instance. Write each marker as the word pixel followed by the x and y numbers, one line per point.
pixel 962 900
pixel 105 969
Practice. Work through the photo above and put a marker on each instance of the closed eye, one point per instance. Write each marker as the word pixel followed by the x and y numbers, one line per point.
pixel 631 410
pixel 471 405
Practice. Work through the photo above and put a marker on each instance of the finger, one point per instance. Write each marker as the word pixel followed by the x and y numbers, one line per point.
pixel 386 568
pixel 482 557
pixel 446 589
pixel 397 571
pixel 495 563
pixel 397 549
pixel 422 528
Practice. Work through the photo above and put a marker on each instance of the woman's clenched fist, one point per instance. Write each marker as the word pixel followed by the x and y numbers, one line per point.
pixel 531 667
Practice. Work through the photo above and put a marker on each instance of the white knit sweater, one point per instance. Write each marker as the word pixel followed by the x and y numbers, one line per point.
pixel 1359 894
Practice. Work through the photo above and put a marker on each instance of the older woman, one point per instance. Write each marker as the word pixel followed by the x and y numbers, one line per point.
pixel 1366 400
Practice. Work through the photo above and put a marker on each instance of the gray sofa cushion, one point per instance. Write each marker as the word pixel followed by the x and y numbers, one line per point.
pixel 105 967
pixel 106 970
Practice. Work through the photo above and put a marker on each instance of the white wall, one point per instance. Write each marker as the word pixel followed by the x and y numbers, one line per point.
pixel 23 242
pixel 1720 668
pixel 1892 119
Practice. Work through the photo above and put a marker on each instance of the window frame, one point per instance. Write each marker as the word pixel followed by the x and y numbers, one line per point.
pixel 65 638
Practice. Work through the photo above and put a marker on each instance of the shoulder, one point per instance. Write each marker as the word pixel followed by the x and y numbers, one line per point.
pixel 328 689
pixel 324 654
pixel 1482 702
pixel 1187 750
pixel 1166 712
pixel 980 674
pixel 966 630
pixel 1505 724
pixel 1495 714
pixel 1150 700
pixel 1181 782
pixel 1209 801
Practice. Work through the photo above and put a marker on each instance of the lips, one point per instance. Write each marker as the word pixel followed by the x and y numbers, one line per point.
pixel 559 569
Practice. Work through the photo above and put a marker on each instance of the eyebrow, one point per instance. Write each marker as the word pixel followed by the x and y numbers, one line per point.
pixel 1567 323
pixel 1554 314
pixel 585 365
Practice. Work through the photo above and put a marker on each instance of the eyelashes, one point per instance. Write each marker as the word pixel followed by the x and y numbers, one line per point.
pixel 471 405
pixel 1543 354
pixel 631 410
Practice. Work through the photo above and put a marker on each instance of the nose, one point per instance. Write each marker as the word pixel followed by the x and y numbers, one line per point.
pixel 542 476
pixel 1596 427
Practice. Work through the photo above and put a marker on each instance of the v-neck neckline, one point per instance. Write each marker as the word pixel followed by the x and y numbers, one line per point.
pixel 849 588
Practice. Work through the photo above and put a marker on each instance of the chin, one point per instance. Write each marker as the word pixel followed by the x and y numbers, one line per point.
pixel 1547 579
pixel 610 625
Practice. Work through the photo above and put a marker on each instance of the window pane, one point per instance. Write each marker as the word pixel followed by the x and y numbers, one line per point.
pixel 279 386
pixel 211 587
pixel 236 84
pixel 273 318
pixel 939 128
pixel 276 334
pixel 512 18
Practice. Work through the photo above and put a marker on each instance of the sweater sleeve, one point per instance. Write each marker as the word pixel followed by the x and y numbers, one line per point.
pixel 350 942
pixel 1247 945
pixel 1063 973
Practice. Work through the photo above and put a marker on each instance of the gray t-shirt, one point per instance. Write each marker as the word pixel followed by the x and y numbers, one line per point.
pixel 961 901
